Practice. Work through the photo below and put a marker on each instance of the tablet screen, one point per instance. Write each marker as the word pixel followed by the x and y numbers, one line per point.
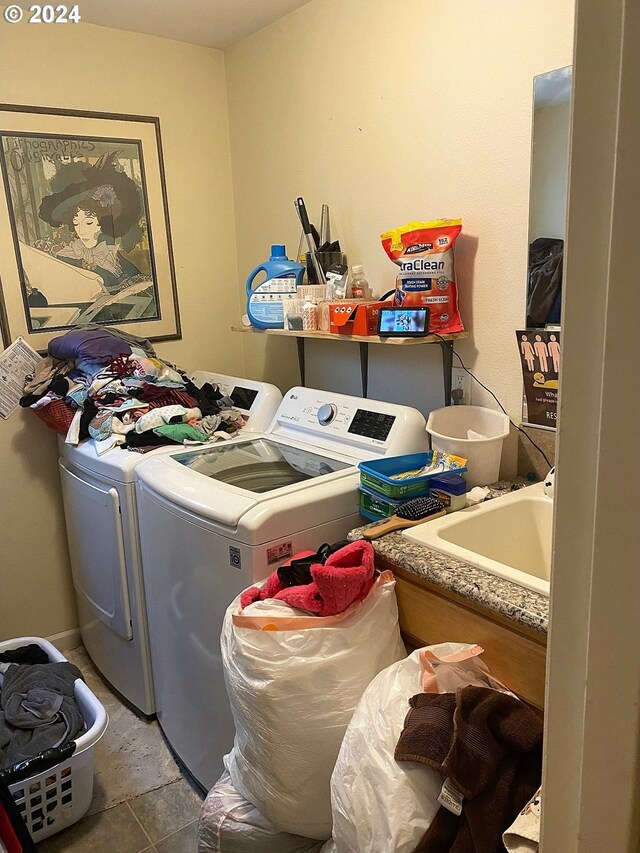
pixel 403 322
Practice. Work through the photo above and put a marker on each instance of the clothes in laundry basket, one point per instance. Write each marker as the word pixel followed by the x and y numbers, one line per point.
pixel 38 710
pixel 29 654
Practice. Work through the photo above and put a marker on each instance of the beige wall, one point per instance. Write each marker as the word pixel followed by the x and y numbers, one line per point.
pixel 86 67
pixel 388 114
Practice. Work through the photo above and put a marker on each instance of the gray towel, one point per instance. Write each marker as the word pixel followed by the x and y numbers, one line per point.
pixel 37 710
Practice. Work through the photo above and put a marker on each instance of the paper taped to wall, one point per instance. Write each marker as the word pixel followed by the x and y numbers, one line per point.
pixel 16 362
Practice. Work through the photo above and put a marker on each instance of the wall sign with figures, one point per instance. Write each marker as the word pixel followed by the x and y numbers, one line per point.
pixel 540 353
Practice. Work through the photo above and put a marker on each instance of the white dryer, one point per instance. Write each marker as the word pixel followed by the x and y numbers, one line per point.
pixel 104 546
pixel 212 521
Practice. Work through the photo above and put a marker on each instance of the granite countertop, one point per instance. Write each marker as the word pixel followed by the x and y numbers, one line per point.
pixel 509 599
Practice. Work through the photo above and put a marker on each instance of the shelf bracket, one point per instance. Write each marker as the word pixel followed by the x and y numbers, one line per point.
pixel 447 369
pixel 364 367
pixel 300 348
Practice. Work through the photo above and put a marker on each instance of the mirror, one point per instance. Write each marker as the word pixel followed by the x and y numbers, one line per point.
pixel 548 196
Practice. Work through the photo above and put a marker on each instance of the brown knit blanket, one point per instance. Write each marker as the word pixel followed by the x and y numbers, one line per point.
pixel 489 745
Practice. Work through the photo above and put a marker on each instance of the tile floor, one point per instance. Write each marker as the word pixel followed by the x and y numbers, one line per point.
pixel 141 801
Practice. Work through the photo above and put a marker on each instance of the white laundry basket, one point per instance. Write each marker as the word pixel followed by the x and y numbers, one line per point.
pixel 449 428
pixel 60 794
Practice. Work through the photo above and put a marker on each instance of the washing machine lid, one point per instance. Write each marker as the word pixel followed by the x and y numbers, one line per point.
pixel 259 465
pixel 225 481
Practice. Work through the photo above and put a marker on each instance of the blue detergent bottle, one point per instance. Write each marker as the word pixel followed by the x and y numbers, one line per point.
pixel 264 302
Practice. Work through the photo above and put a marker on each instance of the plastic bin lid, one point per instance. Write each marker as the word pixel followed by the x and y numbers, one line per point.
pixel 453 483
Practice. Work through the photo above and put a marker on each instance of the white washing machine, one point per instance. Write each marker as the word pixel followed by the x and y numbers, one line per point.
pixel 102 529
pixel 212 521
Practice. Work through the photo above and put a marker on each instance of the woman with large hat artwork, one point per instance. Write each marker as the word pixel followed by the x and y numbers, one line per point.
pixel 101 208
pixel 81 230
pixel 83 198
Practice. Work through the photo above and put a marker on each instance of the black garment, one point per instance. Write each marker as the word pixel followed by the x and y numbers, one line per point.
pixel 146 439
pixel 32 653
pixel 545 279
pixel 29 400
pixel 298 572
pixel 210 399
pixel 59 386
pixel 89 411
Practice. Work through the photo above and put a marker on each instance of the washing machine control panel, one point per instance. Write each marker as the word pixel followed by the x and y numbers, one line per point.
pixel 375 425
pixel 349 421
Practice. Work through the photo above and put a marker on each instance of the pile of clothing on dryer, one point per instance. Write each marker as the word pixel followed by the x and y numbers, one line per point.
pixel 38 711
pixel 111 386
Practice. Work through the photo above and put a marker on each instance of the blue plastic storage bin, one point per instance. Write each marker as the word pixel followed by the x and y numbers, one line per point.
pixel 377 474
pixel 375 506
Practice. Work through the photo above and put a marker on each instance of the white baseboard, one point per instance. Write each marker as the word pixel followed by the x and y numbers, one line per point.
pixel 66 640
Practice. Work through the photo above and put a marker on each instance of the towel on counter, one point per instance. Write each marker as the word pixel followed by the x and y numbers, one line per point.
pixel 488 745
pixel 38 710
pixel 346 577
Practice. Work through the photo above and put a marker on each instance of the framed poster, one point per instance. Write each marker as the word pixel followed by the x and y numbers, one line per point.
pixel 84 225
pixel 540 353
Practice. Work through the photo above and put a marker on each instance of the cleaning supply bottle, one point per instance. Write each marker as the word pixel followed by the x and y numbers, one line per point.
pixel 359 284
pixel 264 302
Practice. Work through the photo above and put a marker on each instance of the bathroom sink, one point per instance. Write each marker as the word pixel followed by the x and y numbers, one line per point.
pixel 509 536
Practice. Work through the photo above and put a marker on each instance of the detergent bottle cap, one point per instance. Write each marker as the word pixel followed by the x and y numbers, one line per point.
pixel 278 252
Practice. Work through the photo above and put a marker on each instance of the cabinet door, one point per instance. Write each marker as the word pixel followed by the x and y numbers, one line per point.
pixel 96 547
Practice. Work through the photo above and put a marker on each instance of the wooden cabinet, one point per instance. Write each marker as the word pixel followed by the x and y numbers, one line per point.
pixel 515 654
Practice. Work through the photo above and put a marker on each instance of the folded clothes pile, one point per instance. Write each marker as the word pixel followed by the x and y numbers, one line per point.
pixel 110 386
pixel 38 710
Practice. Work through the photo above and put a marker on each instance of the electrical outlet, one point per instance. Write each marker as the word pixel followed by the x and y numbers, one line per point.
pixel 461 380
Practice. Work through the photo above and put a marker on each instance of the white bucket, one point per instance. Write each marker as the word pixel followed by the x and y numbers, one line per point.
pixel 449 428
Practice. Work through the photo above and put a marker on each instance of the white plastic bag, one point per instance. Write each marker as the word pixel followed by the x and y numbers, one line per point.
pixel 230 824
pixel 293 688
pixel 380 804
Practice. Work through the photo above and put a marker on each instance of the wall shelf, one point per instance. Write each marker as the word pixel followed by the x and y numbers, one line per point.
pixel 446 343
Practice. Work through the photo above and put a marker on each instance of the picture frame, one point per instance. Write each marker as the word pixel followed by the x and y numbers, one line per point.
pixel 85 235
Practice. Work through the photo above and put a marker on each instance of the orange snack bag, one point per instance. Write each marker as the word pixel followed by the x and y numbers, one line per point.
pixel 424 251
